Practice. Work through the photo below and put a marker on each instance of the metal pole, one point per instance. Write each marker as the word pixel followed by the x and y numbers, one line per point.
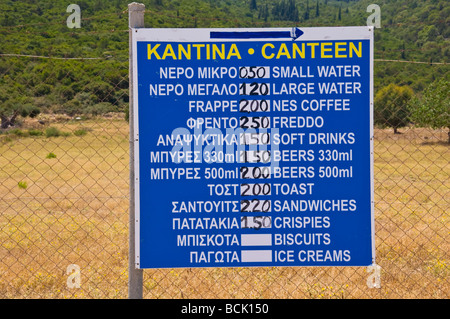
pixel 135 276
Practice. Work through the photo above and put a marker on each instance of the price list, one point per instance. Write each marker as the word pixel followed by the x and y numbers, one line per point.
pixel 253 149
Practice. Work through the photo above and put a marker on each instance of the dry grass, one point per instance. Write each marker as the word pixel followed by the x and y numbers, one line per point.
pixel 73 211
pixel 74 207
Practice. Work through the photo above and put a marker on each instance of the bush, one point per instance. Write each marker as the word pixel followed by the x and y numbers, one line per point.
pixel 42 89
pixel 391 106
pixel 29 110
pixel 17 132
pixel 71 107
pixel 33 132
pixel 52 132
pixel 432 108
pixel 100 108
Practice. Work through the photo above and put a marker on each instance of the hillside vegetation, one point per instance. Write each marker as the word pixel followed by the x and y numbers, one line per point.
pixel 411 30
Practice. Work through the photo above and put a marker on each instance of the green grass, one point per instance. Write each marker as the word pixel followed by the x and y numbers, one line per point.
pixel 80 132
pixel 22 185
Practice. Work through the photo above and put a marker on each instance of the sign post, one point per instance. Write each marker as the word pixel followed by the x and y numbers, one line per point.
pixel 253 147
pixel 135 275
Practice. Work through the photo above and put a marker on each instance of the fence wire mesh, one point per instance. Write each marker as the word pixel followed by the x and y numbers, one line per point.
pixel 64 195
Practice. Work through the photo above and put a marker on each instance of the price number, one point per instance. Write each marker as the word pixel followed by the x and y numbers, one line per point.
pixel 256 222
pixel 254 72
pixel 263 189
pixel 255 205
pixel 255 156
pixel 254 88
pixel 255 172
pixel 254 122
pixel 255 138
pixel 247 106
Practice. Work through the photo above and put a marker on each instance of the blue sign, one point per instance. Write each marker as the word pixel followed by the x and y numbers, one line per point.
pixel 253 147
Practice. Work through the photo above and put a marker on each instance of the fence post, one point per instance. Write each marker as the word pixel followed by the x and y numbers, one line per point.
pixel 135 276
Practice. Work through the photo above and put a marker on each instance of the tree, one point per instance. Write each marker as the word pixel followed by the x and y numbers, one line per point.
pixel 253 5
pixel 432 109
pixel 306 13
pixel 263 12
pixel 287 11
pixel 10 109
pixel 391 106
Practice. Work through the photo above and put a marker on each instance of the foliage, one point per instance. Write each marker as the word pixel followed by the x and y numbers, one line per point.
pixel 410 30
pixel 286 10
pixel 432 109
pixel 34 132
pixel 52 132
pixel 11 106
pixel 80 132
pixel 391 106
pixel 22 185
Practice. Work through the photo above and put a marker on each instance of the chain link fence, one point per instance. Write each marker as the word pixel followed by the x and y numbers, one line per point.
pixel 64 195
